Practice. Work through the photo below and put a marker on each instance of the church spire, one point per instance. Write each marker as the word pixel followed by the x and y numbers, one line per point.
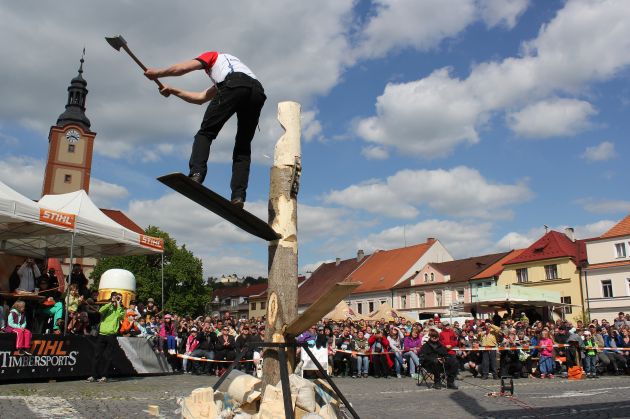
pixel 75 106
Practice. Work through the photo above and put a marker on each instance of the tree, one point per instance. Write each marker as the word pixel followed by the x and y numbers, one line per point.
pixel 185 291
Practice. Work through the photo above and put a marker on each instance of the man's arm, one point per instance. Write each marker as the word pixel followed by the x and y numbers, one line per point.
pixel 177 69
pixel 197 98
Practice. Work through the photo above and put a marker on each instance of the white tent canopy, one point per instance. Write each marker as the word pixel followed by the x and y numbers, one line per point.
pixel 59 223
pixel 21 230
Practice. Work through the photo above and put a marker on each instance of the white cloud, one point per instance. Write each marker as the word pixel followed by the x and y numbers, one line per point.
pixel 418 24
pixel 461 239
pixel 502 12
pixel 24 174
pixel 587 41
pixel 521 240
pixel 601 152
pixel 105 194
pixel 551 118
pixel 461 192
pixel 605 206
pixel 375 153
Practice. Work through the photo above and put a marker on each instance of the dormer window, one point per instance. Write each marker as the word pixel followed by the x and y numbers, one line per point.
pixel 432 277
pixel 426 277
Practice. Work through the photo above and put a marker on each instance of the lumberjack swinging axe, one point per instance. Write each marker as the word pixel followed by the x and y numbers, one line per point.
pixel 118 42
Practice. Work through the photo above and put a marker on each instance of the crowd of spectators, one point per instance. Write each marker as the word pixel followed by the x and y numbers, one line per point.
pixel 495 347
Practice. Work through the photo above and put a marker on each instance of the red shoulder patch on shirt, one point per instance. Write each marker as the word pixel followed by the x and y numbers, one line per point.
pixel 208 59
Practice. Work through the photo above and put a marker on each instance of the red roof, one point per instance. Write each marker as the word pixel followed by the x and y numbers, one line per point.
pixel 552 245
pixel 622 228
pixel 242 291
pixel 460 270
pixel 325 277
pixel 497 267
pixel 385 268
pixel 123 220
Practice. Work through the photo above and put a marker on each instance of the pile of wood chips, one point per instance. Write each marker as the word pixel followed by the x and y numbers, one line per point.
pixel 240 397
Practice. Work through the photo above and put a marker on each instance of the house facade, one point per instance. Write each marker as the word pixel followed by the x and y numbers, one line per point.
pixel 552 264
pixel 386 268
pixel 607 276
pixel 437 286
pixel 235 300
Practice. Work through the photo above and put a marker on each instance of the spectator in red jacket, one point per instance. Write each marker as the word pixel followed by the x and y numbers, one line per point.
pixel 379 354
pixel 448 338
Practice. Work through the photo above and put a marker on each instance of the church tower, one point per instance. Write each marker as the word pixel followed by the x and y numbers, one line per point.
pixel 70 144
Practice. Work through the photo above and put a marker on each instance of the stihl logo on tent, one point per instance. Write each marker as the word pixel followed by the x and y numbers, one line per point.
pixel 57 218
pixel 152 242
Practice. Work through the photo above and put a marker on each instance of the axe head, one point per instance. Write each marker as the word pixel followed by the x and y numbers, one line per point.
pixel 116 42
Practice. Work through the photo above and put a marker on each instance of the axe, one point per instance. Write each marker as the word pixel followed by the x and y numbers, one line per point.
pixel 118 42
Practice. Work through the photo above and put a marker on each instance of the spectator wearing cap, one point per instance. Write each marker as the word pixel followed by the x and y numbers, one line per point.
pixel 489 338
pixel 590 355
pixel 150 309
pixel 204 349
pixel 435 359
pixel 129 326
pixel 243 339
pixel 344 346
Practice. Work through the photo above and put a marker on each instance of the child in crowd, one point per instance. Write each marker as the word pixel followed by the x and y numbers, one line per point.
pixel 545 363
pixel 168 335
pixel 17 325
pixel 590 355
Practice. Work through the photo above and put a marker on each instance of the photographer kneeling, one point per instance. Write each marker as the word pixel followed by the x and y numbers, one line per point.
pixel 436 360
pixel 112 314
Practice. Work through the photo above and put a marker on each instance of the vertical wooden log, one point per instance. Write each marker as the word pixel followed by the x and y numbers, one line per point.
pixel 283 253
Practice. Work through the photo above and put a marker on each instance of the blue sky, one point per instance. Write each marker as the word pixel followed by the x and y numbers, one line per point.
pixel 472 121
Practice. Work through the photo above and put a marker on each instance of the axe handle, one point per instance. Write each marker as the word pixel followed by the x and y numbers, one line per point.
pixel 142 66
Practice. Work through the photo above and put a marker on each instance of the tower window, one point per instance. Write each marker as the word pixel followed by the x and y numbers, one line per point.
pixel 70 148
pixel 67 178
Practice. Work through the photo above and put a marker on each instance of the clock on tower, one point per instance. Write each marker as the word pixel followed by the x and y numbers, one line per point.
pixel 70 144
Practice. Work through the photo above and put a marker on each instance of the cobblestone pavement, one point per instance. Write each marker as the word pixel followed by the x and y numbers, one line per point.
pixel 371 398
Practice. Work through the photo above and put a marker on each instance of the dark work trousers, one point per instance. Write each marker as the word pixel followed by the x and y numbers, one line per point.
pixel 438 369
pixel 489 362
pixel 241 95
pixel 379 364
pixel 103 355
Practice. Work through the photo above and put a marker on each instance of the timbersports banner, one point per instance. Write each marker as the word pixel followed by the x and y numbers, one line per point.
pixel 68 356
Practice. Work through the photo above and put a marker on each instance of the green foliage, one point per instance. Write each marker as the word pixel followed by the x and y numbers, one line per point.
pixel 185 291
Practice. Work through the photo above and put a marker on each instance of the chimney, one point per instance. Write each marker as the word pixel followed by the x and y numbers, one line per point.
pixel 430 240
pixel 337 262
pixel 360 255
pixel 570 233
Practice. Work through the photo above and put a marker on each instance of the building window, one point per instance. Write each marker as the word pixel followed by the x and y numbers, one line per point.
pixel 370 306
pixel 263 305
pixel 360 308
pixel 67 178
pixel 252 306
pixel 567 300
pixel 551 271
pixel 621 250
pixel 460 295
pixel 383 302
pixel 403 301
pixel 234 303
pixel 521 275
pixel 70 148
pixel 438 298
pixel 628 281
pixel 422 302
pixel 607 290
pixel 432 277
pixel 426 277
